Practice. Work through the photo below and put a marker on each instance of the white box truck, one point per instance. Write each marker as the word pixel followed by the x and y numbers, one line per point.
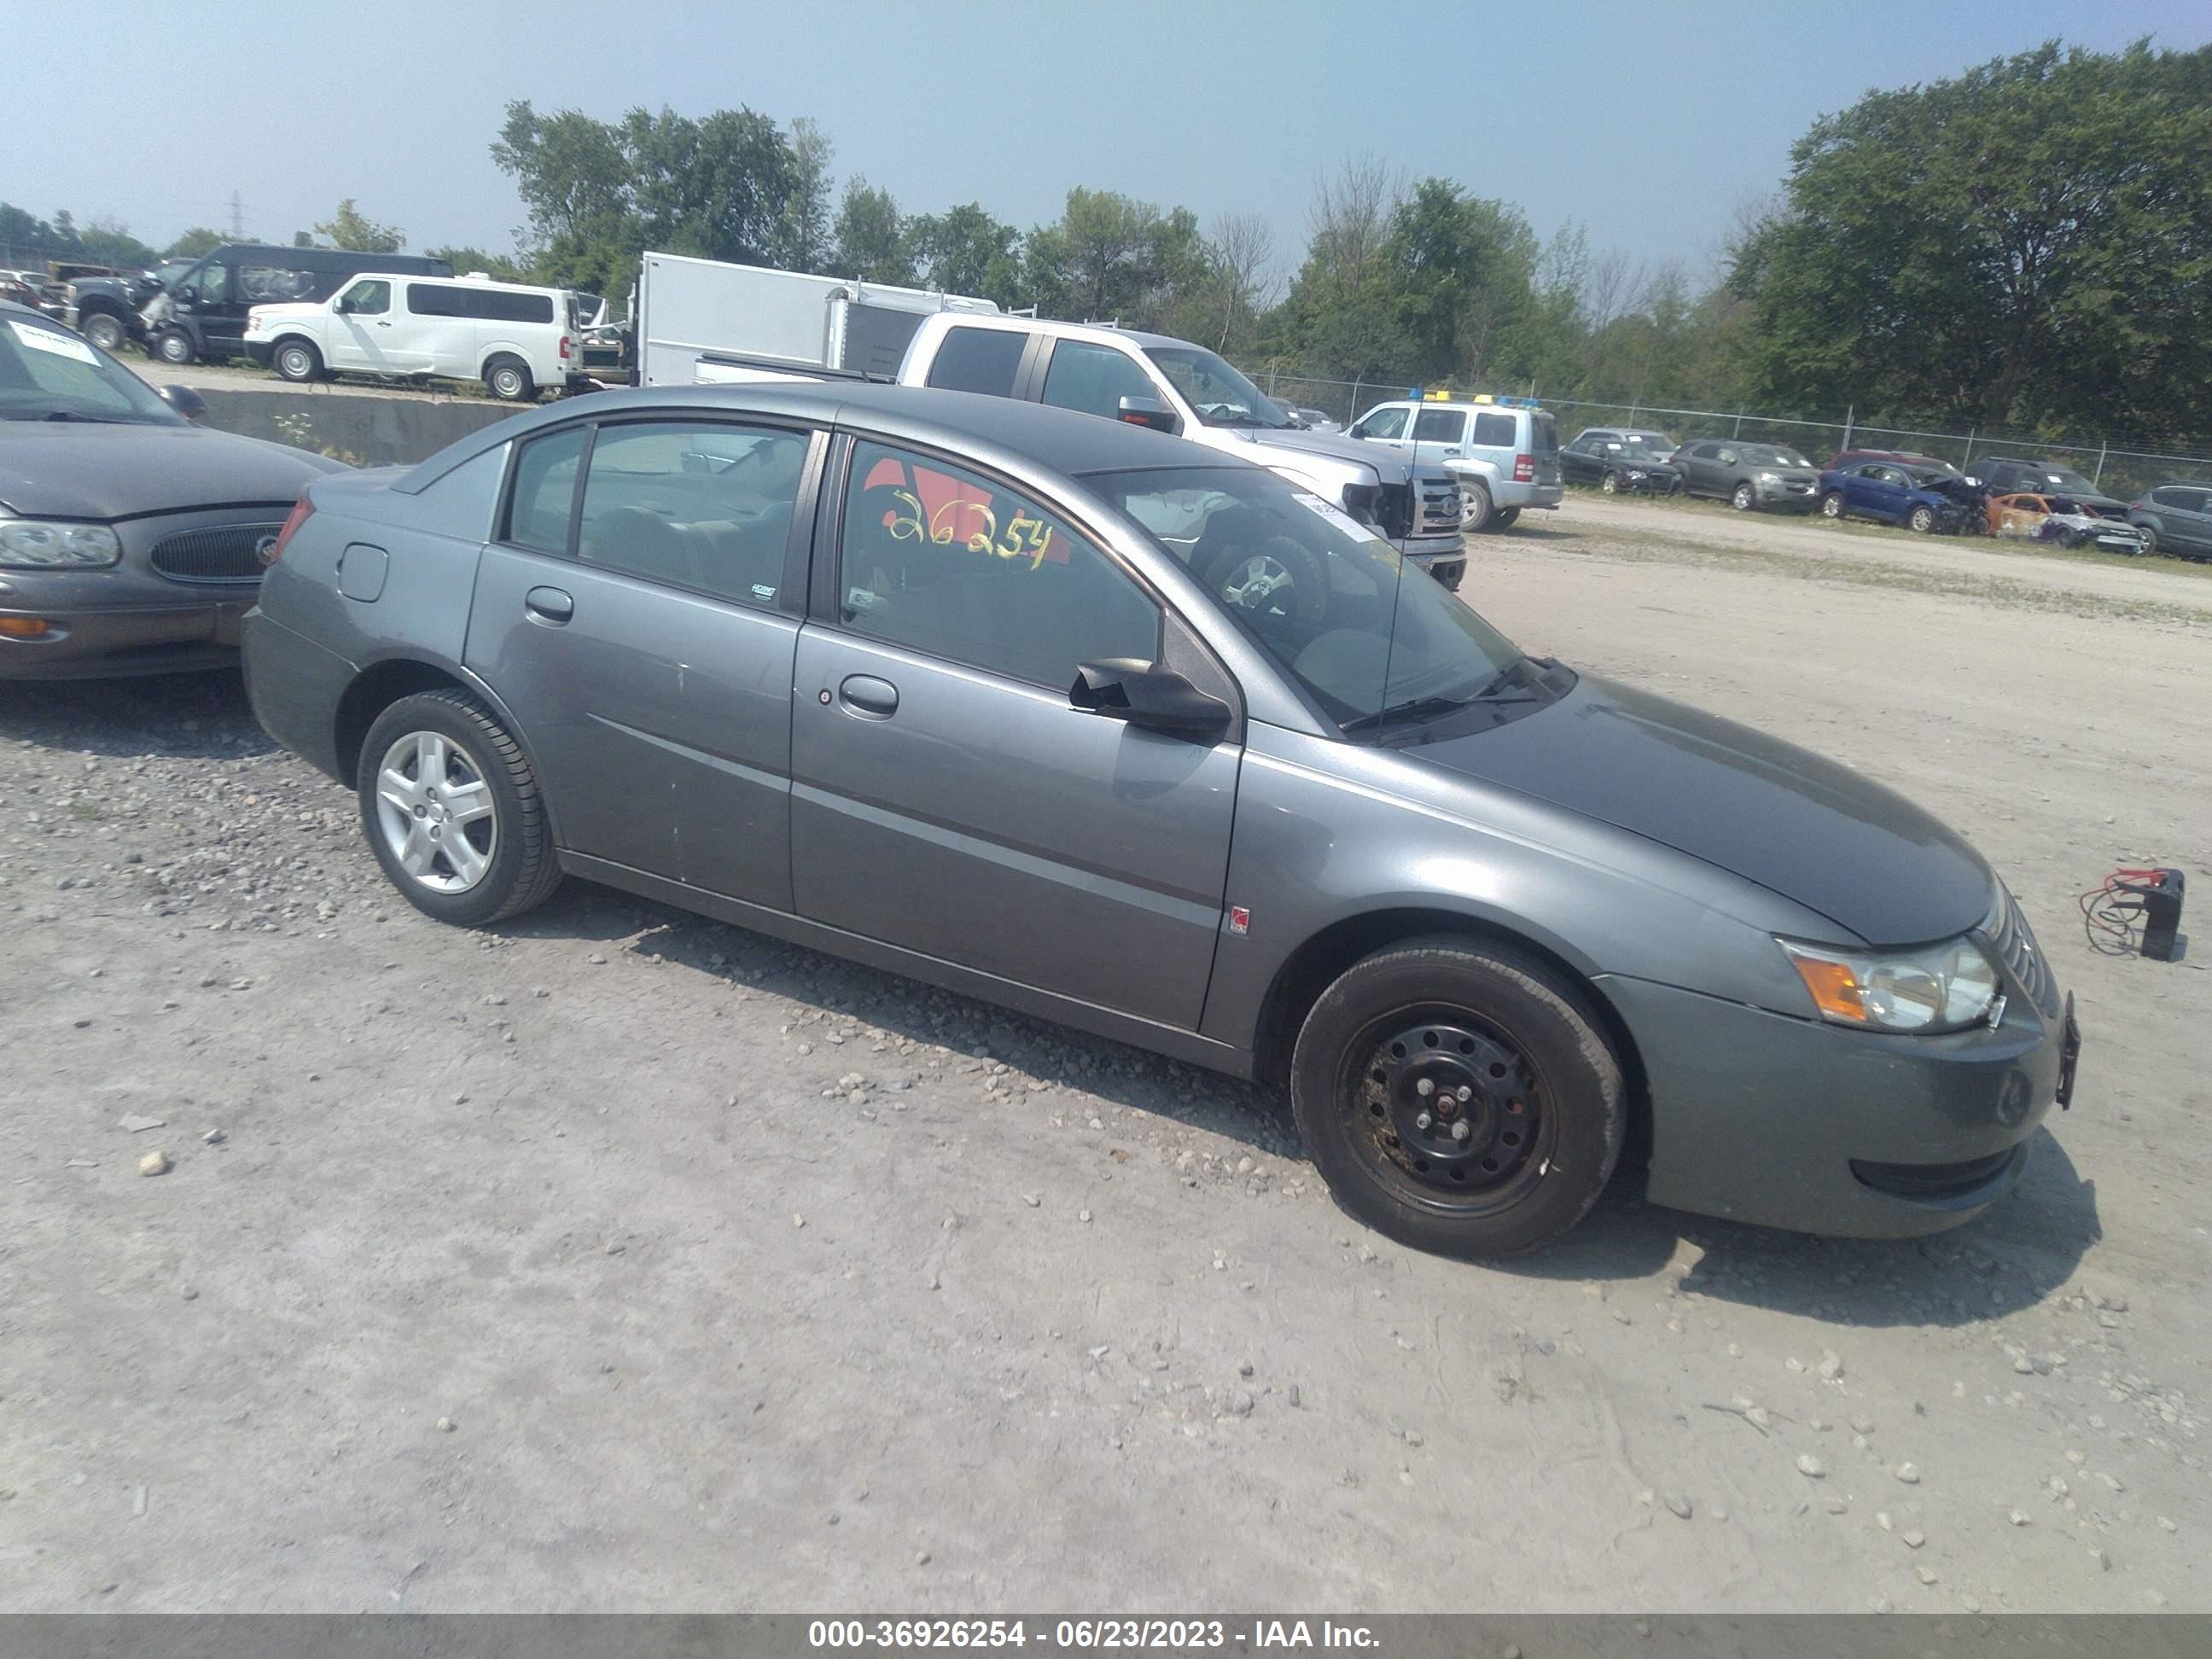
pixel 701 322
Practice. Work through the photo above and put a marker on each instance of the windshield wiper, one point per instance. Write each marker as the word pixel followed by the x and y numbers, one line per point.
pixel 70 414
pixel 1496 692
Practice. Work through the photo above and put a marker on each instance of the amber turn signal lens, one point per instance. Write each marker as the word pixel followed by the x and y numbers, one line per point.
pixel 1834 986
pixel 23 627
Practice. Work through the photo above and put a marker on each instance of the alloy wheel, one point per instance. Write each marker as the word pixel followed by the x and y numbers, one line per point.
pixel 436 813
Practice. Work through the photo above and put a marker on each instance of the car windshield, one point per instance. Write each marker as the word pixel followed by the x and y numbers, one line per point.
pixel 1378 644
pixel 47 374
pixel 2073 483
pixel 1221 396
pixel 1773 455
pixel 1648 443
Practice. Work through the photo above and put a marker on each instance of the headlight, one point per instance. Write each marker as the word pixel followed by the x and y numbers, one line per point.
pixel 1635 472
pixel 44 545
pixel 1938 987
pixel 1770 478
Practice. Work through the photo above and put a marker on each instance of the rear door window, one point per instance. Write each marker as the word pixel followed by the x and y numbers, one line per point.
pixel 437 300
pixel 1094 379
pixel 982 360
pixel 1441 426
pixel 703 506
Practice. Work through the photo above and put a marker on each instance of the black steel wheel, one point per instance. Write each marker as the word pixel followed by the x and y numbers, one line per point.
pixel 1459 1096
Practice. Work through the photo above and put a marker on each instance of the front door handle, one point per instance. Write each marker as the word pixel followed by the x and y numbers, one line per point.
pixel 549 605
pixel 869 698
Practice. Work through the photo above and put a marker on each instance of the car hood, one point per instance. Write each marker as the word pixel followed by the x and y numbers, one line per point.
pixel 1800 825
pixel 1391 465
pixel 66 470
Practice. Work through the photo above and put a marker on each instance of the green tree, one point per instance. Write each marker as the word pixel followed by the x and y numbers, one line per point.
pixel 965 251
pixel 351 229
pixel 1462 269
pixel 500 267
pixel 804 244
pixel 870 237
pixel 193 243
pixel 2028 244
pixel 303 239
pixel 1112 258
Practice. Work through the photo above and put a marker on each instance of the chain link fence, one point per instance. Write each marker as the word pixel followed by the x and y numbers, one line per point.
pixel 2118 468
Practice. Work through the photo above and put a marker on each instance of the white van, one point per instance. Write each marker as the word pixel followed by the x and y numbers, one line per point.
pixel 515 339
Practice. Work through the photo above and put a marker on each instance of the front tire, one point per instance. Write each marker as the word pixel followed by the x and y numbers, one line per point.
pixel 1609 484
pixel 1420 1042
pixel 1744 499
pixel 105 330
pixel 1922 519
pixel 174 347
pixel 298 360
pixel 452 809
pixel 509 380
pixel 1475 509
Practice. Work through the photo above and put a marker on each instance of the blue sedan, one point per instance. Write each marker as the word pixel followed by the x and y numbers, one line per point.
pixel 1911 497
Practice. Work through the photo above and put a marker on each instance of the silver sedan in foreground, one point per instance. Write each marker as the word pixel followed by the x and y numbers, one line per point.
pixel 1098 725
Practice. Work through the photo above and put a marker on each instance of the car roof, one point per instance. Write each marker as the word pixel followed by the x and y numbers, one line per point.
pixel 992 430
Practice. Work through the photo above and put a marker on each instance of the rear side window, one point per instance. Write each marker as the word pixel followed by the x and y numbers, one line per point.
pixel 1441 426
pixel 978 360
pixel 545 491
pixel 1496 431
pixel 264 285
pixel 1094 379
pixel 706 505
pixel 512 307
pixel 436 300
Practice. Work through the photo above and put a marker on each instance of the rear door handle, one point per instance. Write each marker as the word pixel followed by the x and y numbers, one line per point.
pixel 549 605
pixel 869 698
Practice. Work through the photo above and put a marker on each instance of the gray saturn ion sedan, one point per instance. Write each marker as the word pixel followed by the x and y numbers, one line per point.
pixel 127 533
pixel 1089 721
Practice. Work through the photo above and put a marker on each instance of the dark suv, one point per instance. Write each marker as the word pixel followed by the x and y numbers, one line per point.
pixel 2008 475
pixel 1749 475
pixel 2176 517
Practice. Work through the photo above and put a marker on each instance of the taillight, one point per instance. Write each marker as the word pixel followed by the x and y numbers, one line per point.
pixel 302 510
pixel 564 347
pixel 1524 469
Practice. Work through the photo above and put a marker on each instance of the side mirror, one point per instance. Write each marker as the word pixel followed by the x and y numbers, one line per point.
pixel 185 401
pixel 1145 411
pixel 1144 694
pixel 344 307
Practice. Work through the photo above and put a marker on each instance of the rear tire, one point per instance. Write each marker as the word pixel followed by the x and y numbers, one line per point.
pixel 1832 505
pixel 297 360
pixel 1544 1100
pixel 2149 539
pixel 105 330
pixel 174 347
pixel 509 380
pixel 1507 517
pixel 430 766
pixel 1475 508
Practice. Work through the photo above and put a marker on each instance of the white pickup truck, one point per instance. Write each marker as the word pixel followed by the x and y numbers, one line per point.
pixel 703 324
pixel 1178 387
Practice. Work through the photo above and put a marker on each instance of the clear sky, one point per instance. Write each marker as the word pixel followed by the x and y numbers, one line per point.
pixel 1648 122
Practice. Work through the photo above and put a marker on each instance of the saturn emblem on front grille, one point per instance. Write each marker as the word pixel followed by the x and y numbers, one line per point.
pixel 265 548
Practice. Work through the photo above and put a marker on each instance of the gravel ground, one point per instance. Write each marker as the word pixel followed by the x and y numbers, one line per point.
pixel 617 1260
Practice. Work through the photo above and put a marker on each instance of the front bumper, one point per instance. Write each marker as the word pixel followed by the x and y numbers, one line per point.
pixel 1794 1123
pixel 1443 557
pixel 104 644
pixel 1788 495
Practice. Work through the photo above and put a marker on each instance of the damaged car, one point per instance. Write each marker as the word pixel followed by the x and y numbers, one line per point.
pixel 1919 498
pixel 2063 521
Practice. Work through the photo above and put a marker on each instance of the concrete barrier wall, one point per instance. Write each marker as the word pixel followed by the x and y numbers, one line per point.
pixel 363 429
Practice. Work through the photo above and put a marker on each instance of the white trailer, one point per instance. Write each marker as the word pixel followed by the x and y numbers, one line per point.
pixel 703 323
